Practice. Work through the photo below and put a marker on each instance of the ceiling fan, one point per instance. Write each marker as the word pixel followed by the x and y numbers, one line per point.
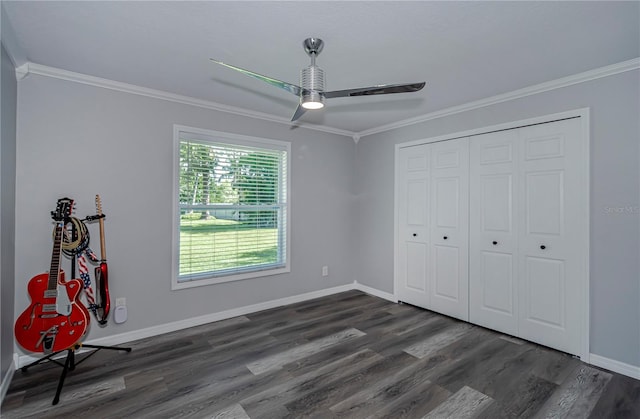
pixel 311 92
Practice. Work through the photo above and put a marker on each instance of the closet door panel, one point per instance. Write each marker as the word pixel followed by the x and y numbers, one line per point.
pixel 544 203
pixel 493 281
pixel 415 268
pixel 446 273
pixel 446 203
pixel 545 289
pixel 412 285
pixel 496 273
pixel 449 292
pixel 551 237
pixel 496 204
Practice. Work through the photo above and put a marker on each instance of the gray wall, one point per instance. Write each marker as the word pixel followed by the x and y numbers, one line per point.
pixel 615 182
pixel 78 140
pixel 8 94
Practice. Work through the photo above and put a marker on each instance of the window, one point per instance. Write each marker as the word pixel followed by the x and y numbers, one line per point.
pixel 231 218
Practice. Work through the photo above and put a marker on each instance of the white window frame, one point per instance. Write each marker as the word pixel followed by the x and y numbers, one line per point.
pixel 231 139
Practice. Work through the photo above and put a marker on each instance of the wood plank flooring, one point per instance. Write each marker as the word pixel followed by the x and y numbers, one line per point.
pixel 348 355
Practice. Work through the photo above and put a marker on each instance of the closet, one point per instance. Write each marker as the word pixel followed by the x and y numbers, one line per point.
pixel 493 229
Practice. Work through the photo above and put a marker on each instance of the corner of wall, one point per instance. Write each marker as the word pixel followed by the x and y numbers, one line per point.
pixel 6 381
pixel 10 41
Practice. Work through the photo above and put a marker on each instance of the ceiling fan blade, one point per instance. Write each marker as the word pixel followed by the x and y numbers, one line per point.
pixel 382 89
pixel 298 113
pixel 291 88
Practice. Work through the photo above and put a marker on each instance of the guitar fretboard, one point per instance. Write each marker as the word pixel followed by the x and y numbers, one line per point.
pixel 55 258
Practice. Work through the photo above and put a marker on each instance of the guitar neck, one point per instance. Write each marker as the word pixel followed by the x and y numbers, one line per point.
pixel 103 249
pixel 54 269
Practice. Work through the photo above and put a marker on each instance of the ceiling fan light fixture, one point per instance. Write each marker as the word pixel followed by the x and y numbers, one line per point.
pixel 312 100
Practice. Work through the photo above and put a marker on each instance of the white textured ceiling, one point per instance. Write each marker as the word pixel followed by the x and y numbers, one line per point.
pixel 465 51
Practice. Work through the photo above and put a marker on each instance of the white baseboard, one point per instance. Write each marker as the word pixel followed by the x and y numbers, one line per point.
pixel 375 292
pixel 6 381
pixel 22 360
pixel 615 366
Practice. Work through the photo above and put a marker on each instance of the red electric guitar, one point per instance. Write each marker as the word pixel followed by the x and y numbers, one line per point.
pixel 102 273
pixel 56 319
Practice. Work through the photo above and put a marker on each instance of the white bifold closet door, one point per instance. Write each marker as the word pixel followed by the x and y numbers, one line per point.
pixel 433 216
pixel 527 265
pixel 413 194
pixel 493 238
pixel 449 267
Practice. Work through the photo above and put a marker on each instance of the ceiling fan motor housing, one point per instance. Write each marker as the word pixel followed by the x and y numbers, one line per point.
pixel 312 83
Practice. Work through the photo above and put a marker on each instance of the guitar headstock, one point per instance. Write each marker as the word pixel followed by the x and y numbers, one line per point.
pixel 63 210
pixel 98 205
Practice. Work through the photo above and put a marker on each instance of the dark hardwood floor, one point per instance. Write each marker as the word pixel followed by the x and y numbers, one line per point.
pixel 347 355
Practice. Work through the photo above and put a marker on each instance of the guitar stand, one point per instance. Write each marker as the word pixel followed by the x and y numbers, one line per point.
pixel 70 362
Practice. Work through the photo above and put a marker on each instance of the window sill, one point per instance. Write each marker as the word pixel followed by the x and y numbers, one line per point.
pixel 178 285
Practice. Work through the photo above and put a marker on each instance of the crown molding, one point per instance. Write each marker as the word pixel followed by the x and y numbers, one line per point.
pixel 586 76
pixel 57 73
pixel 32 68
pixel 22 71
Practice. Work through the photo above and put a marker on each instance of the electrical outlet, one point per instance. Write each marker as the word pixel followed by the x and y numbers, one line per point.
pixel 121 301
pixel 325 271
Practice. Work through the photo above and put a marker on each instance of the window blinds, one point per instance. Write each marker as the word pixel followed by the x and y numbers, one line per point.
pixel 233 209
